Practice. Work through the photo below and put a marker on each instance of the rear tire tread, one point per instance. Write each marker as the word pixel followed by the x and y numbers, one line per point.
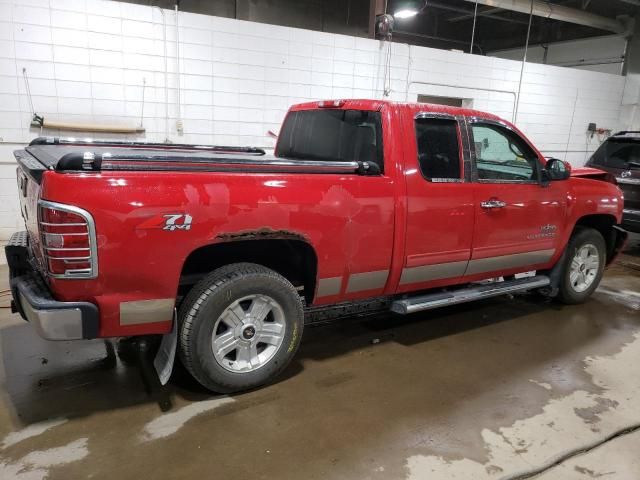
pixel 194 302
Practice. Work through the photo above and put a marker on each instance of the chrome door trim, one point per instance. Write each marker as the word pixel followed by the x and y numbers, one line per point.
pixel 628 181
pixel 440 115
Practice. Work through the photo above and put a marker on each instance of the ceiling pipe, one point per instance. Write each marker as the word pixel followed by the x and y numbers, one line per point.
pixel 402 33
pixel 557 12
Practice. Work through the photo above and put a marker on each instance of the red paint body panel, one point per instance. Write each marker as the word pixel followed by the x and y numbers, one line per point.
pixel 344 218
pixel 354 223
pixel 586 172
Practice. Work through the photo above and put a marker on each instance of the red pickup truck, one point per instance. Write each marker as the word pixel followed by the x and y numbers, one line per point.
pixel 366 206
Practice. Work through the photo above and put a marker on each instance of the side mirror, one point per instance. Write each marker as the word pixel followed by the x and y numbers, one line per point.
pixel 556 170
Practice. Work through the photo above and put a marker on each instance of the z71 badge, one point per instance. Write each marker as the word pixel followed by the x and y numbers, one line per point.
pixel 169 221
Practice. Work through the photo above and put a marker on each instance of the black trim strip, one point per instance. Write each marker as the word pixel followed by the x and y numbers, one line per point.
pixel 348 169
pixel 469 151
pixel 30 165
pixel 145 145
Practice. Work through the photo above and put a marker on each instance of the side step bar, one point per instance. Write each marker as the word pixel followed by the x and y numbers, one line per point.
pixel 442 299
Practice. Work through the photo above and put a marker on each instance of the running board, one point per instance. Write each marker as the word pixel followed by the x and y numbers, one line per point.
pixel 442 299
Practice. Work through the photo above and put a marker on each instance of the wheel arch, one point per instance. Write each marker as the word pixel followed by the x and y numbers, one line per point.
pixel 605 224
pixel 292 257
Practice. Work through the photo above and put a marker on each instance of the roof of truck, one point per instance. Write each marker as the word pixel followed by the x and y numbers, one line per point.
pixel 369 104
pixel 73 154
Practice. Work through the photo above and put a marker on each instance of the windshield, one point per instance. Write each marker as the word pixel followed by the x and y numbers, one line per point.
pixel 332 135
pixel 621 154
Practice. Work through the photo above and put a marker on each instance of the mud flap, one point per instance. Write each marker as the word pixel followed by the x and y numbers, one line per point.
pixel 163 362
pixel 619 238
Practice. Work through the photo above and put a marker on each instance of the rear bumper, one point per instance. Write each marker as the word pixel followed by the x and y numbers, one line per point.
pixel 52 319
pixel 631 220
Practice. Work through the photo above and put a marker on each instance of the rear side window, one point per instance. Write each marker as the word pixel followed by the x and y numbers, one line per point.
pixel 332 135
pixel 438 149
pixel 616 154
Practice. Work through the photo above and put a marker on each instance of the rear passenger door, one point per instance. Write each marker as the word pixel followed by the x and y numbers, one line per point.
pixel 440 207
pixel 518 219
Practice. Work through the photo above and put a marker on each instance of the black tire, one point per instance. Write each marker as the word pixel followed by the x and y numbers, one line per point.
pixel 204 305
pixel 568 292
pixel 127 350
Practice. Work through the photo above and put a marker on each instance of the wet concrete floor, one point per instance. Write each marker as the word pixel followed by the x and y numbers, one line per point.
pixel 496 389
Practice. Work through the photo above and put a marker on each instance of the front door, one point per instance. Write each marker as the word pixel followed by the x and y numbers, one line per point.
pixel 518 221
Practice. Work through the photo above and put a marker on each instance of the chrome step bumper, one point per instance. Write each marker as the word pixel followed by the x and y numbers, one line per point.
pixel 52 319
pixel 442 299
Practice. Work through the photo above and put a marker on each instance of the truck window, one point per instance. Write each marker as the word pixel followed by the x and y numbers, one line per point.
pixel 438 149
pixel 503 155
pixel 616 154
pixel 332 135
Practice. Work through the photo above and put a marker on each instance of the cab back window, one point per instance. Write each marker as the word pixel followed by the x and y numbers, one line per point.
pixel 332 135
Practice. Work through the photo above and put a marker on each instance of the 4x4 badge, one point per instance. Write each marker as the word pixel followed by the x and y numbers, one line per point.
pixel 169 222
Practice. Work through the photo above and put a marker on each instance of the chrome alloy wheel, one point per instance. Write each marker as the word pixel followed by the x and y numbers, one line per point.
pixel 584 267
pixel 248 333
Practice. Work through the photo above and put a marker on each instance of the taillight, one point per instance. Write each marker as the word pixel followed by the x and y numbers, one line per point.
pixel 68 239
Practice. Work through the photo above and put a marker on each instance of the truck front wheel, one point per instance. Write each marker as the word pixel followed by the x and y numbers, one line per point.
pixel 584 266
pixel 240 327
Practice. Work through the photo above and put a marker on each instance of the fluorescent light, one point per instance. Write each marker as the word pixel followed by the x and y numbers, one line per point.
pixel 406 13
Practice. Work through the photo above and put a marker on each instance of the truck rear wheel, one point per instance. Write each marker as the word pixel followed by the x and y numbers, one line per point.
pixel 239 327
pixel 585 262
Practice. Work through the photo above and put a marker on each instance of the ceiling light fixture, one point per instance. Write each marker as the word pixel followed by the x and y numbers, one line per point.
pixel 405 13
pixel 408 9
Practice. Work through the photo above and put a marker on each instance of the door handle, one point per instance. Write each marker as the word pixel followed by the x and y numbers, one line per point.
pixel 493 204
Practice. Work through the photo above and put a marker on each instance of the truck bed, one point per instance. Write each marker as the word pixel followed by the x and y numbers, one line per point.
pixel 70 155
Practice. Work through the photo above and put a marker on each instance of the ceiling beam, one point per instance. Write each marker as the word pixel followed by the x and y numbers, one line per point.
pixel 468 16
pixel 557 12
pixel 450 8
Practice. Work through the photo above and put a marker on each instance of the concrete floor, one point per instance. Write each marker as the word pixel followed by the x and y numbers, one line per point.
pixel 498 389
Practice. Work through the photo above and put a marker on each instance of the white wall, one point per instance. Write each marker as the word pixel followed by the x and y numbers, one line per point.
pixel 600 54
pixel 87 61
pixel 10 220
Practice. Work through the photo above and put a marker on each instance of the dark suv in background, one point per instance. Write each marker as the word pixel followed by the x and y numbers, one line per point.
pixel 620 156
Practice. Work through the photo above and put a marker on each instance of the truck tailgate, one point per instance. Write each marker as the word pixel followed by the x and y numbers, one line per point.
pixel 29 176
